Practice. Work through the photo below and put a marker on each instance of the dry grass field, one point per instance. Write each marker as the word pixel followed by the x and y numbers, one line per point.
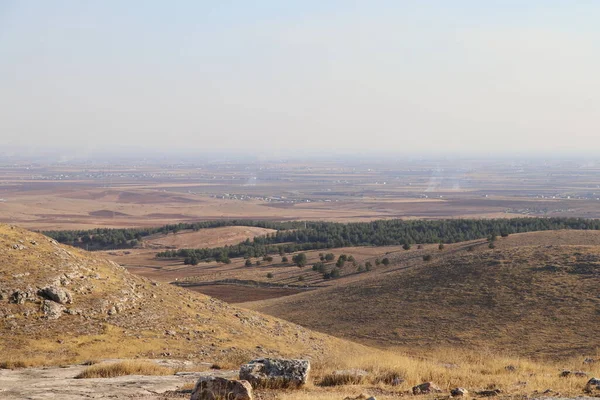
pixel 214 237
pixel 82 196
pixel 534 295
pixel 119 315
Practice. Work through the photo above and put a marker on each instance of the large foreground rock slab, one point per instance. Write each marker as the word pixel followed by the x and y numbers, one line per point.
pixel 216 388
pixel 275 372
pixel 60 383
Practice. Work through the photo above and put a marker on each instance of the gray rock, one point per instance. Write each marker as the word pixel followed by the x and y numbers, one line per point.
pixel 21 296
pixel 56 294
pixel 592 385
pixel 52 310
pixel 489 393
pixel 566 373
pixel 426 388
pixel 459 392
pixel 275 373
pixel 214 388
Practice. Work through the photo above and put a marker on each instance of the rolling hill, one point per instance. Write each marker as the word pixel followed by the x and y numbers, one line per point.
pixel 534 295
pixel 60 304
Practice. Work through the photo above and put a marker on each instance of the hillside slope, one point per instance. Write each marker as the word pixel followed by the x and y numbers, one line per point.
pixel 61 304
pixel 521 298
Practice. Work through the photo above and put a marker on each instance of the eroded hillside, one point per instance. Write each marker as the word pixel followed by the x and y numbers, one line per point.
pixel 60 304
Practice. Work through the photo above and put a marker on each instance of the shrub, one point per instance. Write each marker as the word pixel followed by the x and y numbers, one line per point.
pixel 248 262
pixel 284 259
pixel 329 257
pixel 193 260
pixel 406 246
pixel 269 275
pixel 385 261
pixel 299 259
pixel 441 246
pixel 318 267
pixel 13 364
pixel 124 368
pixel 267 258
pixel 427 257
pixel 341 379
pixel 387 377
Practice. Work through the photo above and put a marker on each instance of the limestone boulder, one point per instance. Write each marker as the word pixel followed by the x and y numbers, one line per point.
pixel 275 372
pixel 426 388
pixel 215 388
pixel 52 310
pixel 56 294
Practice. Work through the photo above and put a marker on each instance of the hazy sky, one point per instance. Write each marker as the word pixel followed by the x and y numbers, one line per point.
pixel 277 76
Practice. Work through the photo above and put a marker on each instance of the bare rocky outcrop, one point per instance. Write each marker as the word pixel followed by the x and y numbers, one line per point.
pixel 566 373
pixel 216 388
pixel 56 294
pixel 274 372
pixel 459 392
pixel 426 388
pixel 593 386
pixel 21 296
pixel 52 310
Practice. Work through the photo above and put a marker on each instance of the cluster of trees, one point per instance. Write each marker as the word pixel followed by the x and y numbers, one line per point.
pixel 324 235
pixel 302 236
pixel 109 239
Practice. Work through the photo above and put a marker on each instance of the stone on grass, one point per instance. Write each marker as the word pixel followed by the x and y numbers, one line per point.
pixel 275 372
pixel 215 388
pixel 459 392
pixel 426 388
pixel 56 294
pixel 52 310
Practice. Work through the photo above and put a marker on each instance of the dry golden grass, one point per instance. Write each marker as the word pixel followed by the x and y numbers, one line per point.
pixel 13 360
pixel 343 379
pixel 533 301
pixel 455 368
pixel 124 368
pixel 206 238
pixel 153 321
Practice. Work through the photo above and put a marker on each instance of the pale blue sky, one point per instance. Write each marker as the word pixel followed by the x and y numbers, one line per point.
pixel 273 76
